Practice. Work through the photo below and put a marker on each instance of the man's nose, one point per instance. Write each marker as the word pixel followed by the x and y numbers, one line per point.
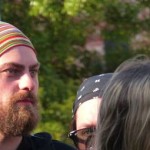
pixel 26 82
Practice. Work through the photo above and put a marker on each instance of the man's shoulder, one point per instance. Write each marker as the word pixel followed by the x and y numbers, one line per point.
pixel 47 140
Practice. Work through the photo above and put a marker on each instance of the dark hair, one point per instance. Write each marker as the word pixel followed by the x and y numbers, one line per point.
pixel 124 116
pixel 73 124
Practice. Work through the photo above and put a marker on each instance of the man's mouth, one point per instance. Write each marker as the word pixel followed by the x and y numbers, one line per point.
pixel 26 101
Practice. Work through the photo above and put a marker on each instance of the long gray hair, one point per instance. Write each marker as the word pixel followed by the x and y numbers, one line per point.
pixel 124 117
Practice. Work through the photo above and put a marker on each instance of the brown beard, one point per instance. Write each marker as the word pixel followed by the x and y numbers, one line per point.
pixel 18 120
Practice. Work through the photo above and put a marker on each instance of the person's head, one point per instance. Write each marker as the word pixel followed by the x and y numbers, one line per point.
pixel 124 115
pixel 85 109
pixel 18 82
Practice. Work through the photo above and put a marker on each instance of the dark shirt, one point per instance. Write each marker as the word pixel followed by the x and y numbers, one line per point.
pixel 42 141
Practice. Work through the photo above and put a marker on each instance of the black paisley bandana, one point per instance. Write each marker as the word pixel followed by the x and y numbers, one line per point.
pixel 90 88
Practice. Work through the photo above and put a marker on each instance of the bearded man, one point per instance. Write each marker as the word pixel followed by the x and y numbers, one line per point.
pixel 18 94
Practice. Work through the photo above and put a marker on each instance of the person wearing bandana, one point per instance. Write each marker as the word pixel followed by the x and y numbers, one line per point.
pixel 85 110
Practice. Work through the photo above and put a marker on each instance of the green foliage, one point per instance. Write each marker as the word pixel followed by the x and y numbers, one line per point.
pixel 123 25
pixel 72 7
pixel 46 8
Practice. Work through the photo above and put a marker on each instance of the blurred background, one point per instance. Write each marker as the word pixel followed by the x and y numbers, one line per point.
pixel 76 39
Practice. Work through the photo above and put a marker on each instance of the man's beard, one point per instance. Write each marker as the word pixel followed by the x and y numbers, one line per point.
pixel 19 119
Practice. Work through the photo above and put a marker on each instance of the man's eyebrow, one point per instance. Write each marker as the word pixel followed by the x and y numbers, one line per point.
pixel 37 65
pixel 19 66
pixel 12 65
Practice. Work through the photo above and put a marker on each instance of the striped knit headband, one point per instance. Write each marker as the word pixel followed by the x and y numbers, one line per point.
pixel 10 36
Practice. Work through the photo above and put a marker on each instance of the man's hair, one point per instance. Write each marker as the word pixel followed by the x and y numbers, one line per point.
pixel 124 117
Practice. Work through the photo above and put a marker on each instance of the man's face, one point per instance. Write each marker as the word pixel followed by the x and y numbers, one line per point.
pixel 18 91
pixel 86 117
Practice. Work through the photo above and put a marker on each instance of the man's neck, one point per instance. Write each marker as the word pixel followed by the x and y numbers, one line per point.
pixel 9 143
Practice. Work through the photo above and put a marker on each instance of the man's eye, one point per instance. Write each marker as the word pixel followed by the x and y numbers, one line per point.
pixel 12 71
pixel 34 72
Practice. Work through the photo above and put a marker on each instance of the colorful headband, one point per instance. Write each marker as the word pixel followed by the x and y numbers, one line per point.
pixel 10 36
pixel 90 88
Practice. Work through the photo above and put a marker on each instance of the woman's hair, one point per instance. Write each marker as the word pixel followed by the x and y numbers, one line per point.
pixel 124 116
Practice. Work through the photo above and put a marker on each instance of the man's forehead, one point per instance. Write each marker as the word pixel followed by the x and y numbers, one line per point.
pixel 20 66
pixel 19 55
pixel 18 51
